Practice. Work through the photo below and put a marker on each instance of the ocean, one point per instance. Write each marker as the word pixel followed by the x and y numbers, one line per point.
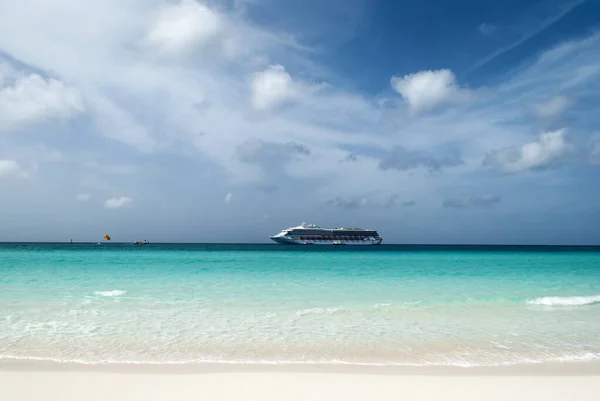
pixel 276 304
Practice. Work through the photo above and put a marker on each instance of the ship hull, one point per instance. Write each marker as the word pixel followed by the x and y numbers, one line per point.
pixel 292 241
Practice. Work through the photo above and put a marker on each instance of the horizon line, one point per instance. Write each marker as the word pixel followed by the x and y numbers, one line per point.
pixel 299 246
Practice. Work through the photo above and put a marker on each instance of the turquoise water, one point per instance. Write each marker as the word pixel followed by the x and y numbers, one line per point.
pixel 276 304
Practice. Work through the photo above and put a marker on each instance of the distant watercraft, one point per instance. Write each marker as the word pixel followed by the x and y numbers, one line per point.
pixel 308 234
pixel 140 242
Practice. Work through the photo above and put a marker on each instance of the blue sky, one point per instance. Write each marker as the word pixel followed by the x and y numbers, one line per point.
pixel 433 121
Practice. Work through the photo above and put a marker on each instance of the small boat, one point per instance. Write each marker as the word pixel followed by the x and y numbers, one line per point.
pixel 140 242
pixel 338 243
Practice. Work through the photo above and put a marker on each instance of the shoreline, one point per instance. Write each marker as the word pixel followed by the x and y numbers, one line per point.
pixel 571 368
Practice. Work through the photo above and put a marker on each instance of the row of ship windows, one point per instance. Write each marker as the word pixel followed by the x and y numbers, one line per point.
pixel 330 238
pixel 321 233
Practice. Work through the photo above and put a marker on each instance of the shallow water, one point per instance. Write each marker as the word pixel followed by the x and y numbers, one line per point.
pixel 183 303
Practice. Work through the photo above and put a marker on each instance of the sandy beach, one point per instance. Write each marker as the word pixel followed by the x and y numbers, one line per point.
pixel 34 381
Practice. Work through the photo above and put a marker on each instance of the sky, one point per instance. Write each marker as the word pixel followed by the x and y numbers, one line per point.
pixel 437 121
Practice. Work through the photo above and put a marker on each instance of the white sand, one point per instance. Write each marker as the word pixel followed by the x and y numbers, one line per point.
pixel 94 385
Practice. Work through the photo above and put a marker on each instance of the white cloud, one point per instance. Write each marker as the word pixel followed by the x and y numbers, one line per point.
pixel 117 203
pixel 552 108
pixel 11 168
pixel 228 197
pixel 33 99
pixel 275 87
pixel 425 90
pixel 83 197
pixel 550 148
pixel 181 25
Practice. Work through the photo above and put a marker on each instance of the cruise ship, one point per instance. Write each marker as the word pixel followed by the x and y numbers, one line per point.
pixel 310 234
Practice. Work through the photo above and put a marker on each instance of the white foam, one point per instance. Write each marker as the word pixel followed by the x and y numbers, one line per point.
pixel 574 358
pixel 408 304
pixel 455 363
pixel 565 301
pixel 320 311
pixel 114 293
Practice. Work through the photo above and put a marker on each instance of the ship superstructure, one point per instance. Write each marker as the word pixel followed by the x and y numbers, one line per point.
pixel 310 234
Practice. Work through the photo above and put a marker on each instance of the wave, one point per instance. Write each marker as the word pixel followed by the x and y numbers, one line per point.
pixel 585 357
pixel 565 301
pixel 321 311
pixel 114 293
pixel 407 304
